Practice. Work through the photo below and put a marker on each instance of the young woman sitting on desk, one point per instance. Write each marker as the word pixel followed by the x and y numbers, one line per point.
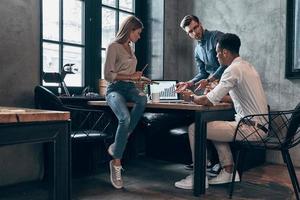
pixel 120 72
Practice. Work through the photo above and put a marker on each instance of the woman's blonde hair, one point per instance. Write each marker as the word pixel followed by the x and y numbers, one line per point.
pixel 131 23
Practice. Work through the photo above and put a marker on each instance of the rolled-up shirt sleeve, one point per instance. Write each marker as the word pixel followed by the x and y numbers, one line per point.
pixel 227 82
pixel 110 71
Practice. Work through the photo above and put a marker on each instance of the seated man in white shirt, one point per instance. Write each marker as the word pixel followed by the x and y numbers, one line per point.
pixel 242 82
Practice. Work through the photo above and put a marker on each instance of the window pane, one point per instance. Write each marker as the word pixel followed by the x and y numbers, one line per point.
pixel 122 17
pixel 72 19
pixel 109 2
pixel 126 5
pixel 51 19
pixel 108 26
pixel 50 60
pixel 73 55
pixel 50 57
pixel 296 38
pixel 103 54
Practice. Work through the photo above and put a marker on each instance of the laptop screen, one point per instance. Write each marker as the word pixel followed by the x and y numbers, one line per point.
pixel 166 89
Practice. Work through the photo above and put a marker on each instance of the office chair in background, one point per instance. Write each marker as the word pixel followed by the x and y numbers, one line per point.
pixel 87 125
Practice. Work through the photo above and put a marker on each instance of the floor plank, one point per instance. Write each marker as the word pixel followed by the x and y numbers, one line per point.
pixel 147 179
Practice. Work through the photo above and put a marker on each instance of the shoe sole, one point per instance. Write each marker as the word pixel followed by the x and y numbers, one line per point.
pixel 111 178
pixel 189 188
pixel 188 168
pixel 183 187
pixel 212 174
pixel 222 182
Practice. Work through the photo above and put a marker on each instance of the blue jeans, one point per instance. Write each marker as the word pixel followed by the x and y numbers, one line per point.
pixel 118 94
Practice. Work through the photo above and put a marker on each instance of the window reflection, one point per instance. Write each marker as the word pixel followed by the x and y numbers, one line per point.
pixel 292 62
pixel 297 35
pixel 122 17
pixel 108 26
pixel 50 60
pixel 103 54
pixel 109 2
pixel 73 21
pixel 126 5
pixel 55 40
pixel 50 57
pixel 51 19
pixel 73 55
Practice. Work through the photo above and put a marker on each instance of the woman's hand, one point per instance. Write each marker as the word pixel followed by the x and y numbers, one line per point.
pixel 136 76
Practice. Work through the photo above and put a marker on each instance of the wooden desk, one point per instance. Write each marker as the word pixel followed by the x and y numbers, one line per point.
pixel 22 125
pixel 203 114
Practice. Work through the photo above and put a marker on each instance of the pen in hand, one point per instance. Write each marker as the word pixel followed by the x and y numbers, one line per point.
pixel 144 68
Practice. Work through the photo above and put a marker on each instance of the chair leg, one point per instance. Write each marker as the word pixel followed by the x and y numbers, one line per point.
pixel 234 173
pixel 293 170
pixel 242 157
pixel 292 174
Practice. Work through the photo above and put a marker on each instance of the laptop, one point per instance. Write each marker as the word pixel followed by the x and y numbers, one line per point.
pixel 166 90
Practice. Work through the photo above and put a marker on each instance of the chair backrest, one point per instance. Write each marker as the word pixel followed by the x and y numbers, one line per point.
pixel 282 128
pixel 293 134
pixel 45 99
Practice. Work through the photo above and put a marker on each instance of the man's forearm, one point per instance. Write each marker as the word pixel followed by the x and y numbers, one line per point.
pixel 226 99
pixel 202 100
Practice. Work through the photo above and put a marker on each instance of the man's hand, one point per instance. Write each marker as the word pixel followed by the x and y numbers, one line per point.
pixel 201 84
pixel 186 95
pixel 182 86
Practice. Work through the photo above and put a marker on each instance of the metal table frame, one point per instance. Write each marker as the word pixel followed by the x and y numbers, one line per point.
pixel 54 133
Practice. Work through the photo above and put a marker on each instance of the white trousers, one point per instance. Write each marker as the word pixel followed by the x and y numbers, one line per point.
pixel 220 133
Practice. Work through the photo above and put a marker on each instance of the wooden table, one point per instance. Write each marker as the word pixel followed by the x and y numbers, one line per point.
pixel 22 125
pixel 203 114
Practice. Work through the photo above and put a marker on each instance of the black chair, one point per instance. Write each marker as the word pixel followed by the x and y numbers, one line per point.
pixel 280 131
pixel 87 125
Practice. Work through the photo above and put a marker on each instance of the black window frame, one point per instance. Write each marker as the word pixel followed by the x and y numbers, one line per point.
pixel 117 9
pixel 92 36
pixel 290 71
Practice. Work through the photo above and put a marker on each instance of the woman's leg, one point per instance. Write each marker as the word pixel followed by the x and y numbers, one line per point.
pixel 140 100
pixel 118 105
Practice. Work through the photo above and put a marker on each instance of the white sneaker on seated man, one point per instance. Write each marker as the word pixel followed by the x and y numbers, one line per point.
pixel 222 178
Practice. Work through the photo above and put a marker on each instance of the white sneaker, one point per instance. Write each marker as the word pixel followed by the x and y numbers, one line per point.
pixel 188 183
pixel 224 177
pixel 213 171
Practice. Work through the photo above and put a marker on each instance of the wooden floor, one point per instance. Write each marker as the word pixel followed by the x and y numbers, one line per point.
pixel 147 179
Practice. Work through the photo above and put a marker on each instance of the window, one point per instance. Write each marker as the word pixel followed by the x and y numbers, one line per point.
pixel 63 39
pixel 113 13
pixel 78 32
pixel 293 40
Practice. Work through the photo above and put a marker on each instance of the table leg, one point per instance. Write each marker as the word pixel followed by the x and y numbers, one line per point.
pixel 59 174
pixel 200 154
